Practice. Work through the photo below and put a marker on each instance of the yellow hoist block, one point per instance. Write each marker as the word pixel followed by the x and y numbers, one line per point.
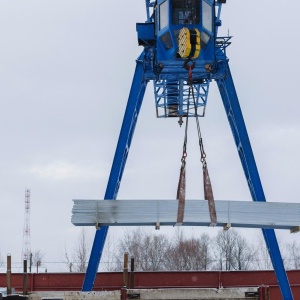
pixel 189 43
pixel 184 42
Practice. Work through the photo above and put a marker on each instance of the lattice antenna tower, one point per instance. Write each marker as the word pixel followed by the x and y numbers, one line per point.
pixel 26 247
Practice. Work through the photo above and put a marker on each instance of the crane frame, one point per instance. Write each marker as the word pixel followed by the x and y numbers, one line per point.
pixel 235 118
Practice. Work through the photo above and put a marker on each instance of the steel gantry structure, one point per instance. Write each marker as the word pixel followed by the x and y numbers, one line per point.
pixel 182 53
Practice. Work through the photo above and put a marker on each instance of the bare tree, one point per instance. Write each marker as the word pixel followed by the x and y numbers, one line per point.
pixel 224 249
pixel 81 251
pixel 36 259
pixel 262 259
pixel 243 255
pixel 206 257
pixel 107 261
pixel 232 252
pixel 189 253
pixel 155 252
pixel 76 260
pixel 293 256
pixel 148 249
pixel 131 243
pixel 65 258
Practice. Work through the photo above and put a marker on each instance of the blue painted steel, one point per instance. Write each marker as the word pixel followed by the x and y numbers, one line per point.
pixel 130 118
pixel 172 98
pixel 149 10
pixel 162 62
pixel 170 18
pixel 146 33
pixel 96 252
pixel 239 131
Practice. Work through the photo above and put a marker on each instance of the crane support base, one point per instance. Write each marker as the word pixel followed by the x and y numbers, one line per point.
pixel 245 214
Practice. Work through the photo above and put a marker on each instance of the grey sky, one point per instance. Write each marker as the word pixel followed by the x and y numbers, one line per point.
pixel 65 73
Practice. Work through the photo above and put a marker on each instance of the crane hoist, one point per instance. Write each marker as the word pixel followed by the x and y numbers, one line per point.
pixel 182 54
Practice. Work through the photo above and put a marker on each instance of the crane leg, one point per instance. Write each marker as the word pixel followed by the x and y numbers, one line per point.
pixel 239 131
pixel 134 103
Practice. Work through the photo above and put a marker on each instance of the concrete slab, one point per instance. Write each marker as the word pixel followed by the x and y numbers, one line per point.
pixel 151 294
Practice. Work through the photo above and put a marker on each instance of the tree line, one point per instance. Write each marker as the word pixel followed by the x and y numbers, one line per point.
pixel 228 250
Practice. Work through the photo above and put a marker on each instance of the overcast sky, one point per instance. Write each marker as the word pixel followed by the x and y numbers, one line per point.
pixel 65 73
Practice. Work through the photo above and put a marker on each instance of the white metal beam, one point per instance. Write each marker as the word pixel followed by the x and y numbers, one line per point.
pixel 247 214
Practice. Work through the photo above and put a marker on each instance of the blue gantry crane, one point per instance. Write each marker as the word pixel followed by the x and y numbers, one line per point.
pixel 182 53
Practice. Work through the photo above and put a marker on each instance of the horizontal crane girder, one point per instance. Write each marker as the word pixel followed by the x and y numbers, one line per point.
pixel 244 214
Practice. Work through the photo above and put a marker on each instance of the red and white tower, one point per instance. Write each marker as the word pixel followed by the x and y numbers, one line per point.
pixel 26 248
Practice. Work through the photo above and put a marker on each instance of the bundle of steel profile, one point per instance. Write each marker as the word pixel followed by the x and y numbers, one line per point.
pixel 245 214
